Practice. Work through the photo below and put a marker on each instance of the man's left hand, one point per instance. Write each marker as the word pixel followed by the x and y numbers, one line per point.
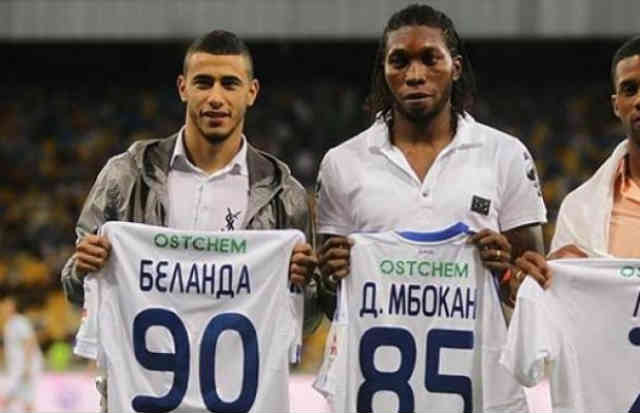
pixel 303 263
pixel 495 249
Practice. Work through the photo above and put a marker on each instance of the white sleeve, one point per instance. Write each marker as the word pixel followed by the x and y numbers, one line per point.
pixel 520 191
pixel 530 338
pixel 331 208
pixel 87 336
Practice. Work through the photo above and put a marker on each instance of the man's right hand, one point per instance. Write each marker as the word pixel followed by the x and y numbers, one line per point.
pixel 91 254
pixel 535 265
pixel 334 258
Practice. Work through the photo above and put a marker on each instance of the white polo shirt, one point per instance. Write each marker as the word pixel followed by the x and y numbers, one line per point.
pixel 484 178
pixel 199 201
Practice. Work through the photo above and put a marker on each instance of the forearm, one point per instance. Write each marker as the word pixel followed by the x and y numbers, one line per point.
pixel 327 298
pixel 525 238
pixel 72 285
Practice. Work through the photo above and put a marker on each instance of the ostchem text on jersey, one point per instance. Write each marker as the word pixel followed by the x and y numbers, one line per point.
pixel 200 243
pixel 424 268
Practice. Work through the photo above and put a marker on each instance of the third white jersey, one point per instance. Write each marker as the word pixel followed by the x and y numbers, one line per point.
pixel 586 326
pixel 419 329
pixel 195 321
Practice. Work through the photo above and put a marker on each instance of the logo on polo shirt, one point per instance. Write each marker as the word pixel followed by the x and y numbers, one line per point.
pixel 532 174
pixel 231 219
pixel 480 205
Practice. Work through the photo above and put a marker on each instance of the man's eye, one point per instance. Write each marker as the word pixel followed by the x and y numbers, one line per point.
pixel 202 84
pixel 398 61
pixel 629 90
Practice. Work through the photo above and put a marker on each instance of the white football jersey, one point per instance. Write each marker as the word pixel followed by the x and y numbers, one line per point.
pixel 419 329
pixel 586 327
pixel 195 321
pixel 86 343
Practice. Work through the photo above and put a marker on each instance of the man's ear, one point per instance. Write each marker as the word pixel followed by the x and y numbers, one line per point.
pixel 614 105
pixel 181 83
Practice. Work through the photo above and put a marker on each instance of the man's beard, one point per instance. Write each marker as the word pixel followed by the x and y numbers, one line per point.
pixel 420 115
pixel 217 138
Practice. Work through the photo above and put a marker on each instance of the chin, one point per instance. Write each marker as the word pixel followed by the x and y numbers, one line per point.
pixel 216 137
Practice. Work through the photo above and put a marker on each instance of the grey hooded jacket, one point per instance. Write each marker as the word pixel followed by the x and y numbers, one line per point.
pixel 133 187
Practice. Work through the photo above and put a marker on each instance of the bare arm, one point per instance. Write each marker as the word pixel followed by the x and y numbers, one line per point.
pixel 525 238
pixel 525 241
pixel 333 259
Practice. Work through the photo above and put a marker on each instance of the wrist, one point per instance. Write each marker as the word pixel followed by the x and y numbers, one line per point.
pixel 506 276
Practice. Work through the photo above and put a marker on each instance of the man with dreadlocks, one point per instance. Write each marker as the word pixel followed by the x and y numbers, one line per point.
pixel 425 163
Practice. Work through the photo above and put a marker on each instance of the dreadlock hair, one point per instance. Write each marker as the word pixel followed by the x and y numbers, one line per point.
pixel 379 103
pixel 630 48
pixel 219 42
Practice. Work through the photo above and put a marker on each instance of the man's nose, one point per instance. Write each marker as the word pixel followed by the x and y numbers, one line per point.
pixel 416 73
pixel 215 98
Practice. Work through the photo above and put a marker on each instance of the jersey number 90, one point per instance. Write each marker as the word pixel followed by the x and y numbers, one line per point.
pixel 178 362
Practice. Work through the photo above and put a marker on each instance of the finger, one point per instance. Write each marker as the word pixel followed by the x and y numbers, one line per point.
pixel 495 255
pixel 534 271
pixel 93 250
pixel 90 260
pixel 334 255
pixel 84 266
pixel 495 240
pixel 304 259
pixel 302 247
pixel 342 273
pixel 297 279
pixel 537 260
pixel 332 266
pixel 336 242
pixel 475 237
pixel 96 240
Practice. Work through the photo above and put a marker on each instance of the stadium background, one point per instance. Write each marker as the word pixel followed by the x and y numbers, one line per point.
pixel 81 80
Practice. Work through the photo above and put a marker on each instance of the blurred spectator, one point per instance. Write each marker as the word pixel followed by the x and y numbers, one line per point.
pixel 22 355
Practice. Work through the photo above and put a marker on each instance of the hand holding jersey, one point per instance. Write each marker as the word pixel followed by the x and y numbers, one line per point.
pixel 426 297
pixel 172 308
pixel 585 328
pixel 535 265
pixel 92 252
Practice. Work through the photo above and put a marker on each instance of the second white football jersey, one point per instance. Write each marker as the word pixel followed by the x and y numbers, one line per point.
pixel 420 329
pixel 586 326
pixel 195 321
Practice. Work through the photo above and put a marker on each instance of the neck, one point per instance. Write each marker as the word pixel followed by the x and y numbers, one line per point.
pixel 634 161
pixel 210 156
pixel 436 131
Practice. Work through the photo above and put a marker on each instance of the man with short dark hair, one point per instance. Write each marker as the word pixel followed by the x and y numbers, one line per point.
pixel 205 177
pixel 601 217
